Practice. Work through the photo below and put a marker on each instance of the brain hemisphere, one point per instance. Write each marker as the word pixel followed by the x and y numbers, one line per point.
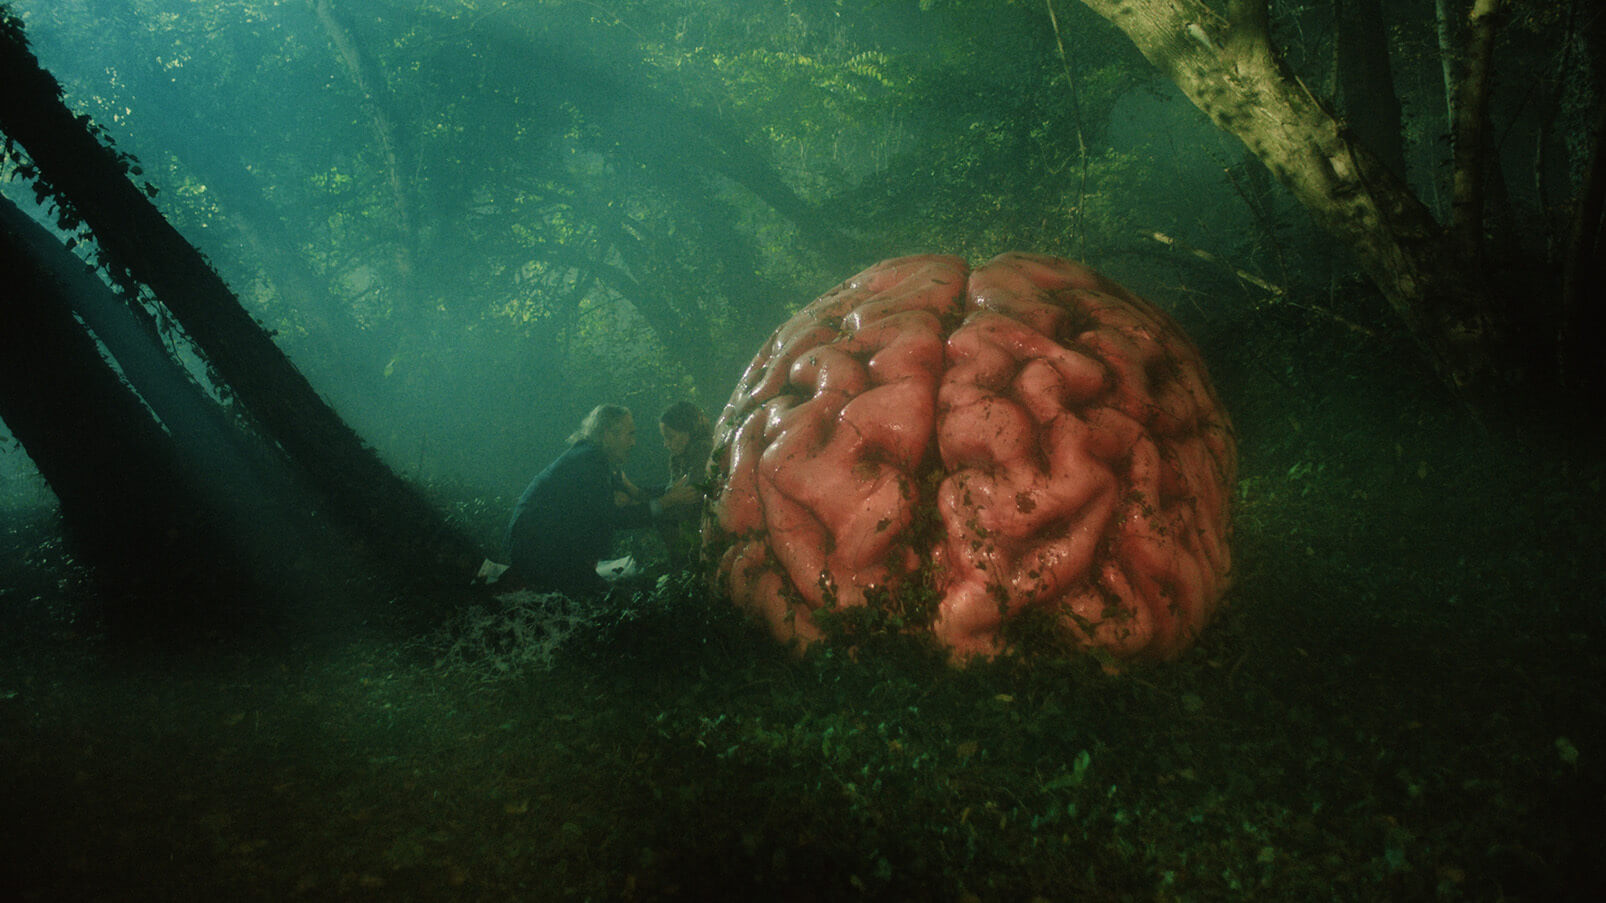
pixel 1059 432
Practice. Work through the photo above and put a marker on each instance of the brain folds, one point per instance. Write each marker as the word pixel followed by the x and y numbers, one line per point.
pixel 1027 438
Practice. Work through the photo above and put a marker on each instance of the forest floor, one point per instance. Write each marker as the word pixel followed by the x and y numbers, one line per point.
pixel 1403 700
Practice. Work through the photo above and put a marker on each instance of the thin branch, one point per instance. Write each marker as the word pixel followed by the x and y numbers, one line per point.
pixel 1238 272
pixel 1076 116
pixel 1276 292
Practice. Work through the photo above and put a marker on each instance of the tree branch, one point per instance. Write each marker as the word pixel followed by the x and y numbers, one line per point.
pixel 1243 86
pixel 1076 114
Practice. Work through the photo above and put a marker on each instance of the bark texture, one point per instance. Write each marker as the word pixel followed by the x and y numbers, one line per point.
pixel 1228 68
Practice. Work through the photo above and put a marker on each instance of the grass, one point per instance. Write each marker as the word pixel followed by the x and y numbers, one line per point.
pixel 1402 701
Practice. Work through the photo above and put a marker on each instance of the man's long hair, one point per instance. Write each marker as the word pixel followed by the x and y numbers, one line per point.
pixel 602 418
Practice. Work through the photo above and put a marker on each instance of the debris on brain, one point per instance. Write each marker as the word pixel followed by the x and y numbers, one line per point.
pixel 1028 438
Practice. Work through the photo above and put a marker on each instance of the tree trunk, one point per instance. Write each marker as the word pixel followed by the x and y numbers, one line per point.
pixel 1228 69
pixel 1583 317
pixel 125 502
pixel 1582 324
pixel 1363 80
pixel 1469 147
pixel 134 235
pixel 218 457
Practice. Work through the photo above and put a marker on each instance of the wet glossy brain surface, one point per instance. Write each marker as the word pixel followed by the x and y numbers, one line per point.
pixel 1027 436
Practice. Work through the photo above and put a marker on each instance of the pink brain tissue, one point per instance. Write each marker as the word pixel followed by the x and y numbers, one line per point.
pixel 1024 437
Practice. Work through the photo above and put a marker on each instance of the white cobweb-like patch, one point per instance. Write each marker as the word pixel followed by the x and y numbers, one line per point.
pixel 522 634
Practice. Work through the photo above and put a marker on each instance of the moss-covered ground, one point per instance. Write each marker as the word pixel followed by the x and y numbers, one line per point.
pixel 1403 700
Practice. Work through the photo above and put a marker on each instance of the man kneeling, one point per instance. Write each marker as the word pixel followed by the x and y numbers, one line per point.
pixel 563 524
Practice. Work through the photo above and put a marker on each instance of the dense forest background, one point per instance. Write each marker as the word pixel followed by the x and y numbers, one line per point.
pixel 466 222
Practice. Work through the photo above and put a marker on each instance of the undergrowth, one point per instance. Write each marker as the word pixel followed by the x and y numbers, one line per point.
pixel 1400 701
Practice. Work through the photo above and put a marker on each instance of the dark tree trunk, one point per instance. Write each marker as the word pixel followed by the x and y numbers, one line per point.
pixel 134 235
pixel 217 456
pixel 1584 272
pixel 125 502
pixel 1363 80
pixel 1583 317
pixel 198 521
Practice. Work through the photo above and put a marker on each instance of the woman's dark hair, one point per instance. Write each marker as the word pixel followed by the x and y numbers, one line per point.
pixel 685 417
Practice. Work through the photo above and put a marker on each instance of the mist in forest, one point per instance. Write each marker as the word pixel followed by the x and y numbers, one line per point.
pixel 468 222
pixel 468 226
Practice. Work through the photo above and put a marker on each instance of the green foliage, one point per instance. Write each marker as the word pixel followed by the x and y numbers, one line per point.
pixel 1399 703
pixel 544 204
pixel 443 205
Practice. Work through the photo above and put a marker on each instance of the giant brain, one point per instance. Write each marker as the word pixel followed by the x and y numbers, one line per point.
pixel 1027 437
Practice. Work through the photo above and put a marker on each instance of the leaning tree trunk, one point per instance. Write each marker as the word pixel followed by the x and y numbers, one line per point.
pixel 90 178
pixel 1227 67
pixel 221 460
pixel 125 500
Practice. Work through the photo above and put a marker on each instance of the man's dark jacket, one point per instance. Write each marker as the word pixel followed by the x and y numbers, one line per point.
pixel 563 524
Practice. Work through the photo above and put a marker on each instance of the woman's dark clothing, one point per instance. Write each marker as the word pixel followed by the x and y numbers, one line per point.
pixel 563 524
pixel 692 461
pixel 681 529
